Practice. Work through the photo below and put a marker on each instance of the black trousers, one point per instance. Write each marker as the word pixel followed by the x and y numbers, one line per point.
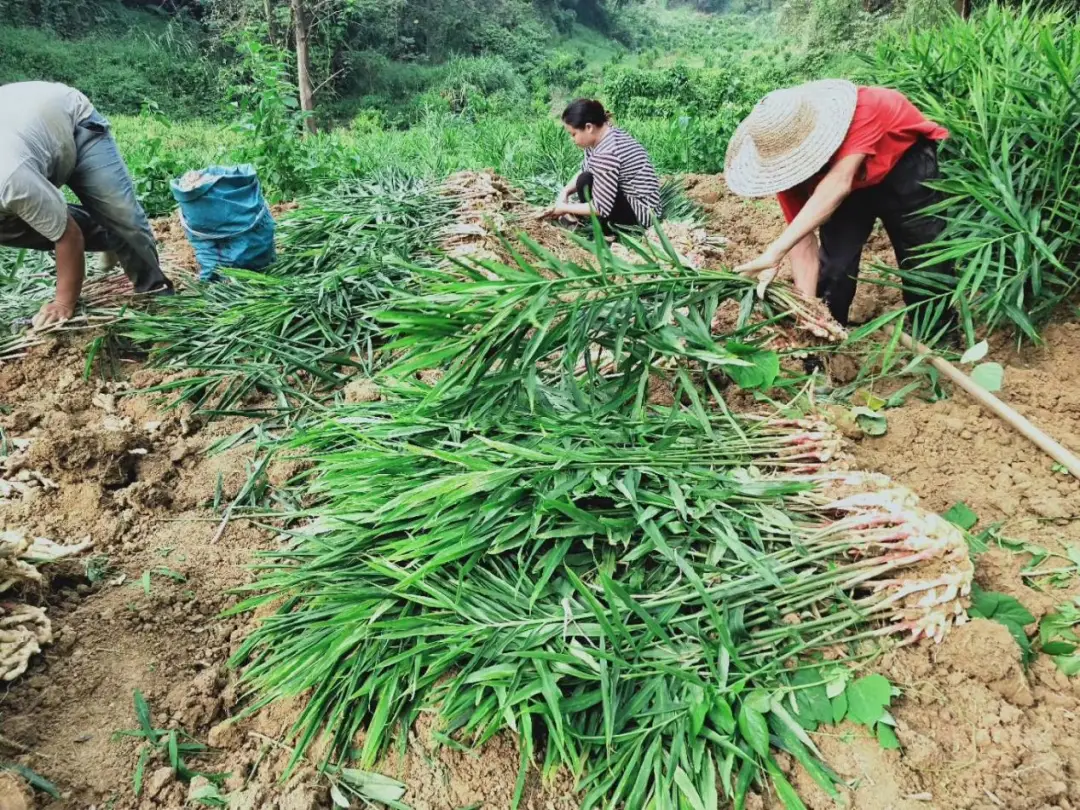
pixel 622 213
pixel 898 202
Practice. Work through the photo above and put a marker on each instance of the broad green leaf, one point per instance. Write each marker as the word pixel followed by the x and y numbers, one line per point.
pixel 811 698
pixel 960 515
pixel 721 717
pixel 837 683
pixel 839 707
pixel 872 423
pixel 887 737
pixel 758 700
pixel 1006 610
pixel 999 606
pixel 989 376
pixel 868 697
pixel 1068 664
pixel 754 729
pixel 1058 648
pixel 976 352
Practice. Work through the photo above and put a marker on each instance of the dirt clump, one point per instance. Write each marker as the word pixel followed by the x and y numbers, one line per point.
pixel 984 651
pixel 72 450
pixel 14 795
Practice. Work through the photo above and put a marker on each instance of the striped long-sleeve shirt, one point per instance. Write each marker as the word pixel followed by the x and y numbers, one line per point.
pixel 617 163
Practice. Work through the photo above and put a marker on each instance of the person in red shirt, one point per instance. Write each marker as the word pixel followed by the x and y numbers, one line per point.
pixel 839 158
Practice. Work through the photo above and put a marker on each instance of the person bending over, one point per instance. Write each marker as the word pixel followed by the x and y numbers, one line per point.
pixel 51 136
pixel 839 157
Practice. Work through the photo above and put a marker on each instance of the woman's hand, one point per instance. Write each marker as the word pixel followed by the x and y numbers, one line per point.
pixel 766 261
pixel 552 211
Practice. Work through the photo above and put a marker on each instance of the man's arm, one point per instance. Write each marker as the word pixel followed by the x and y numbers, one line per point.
pixel 28 195
pixel 70 271
pixel 830 192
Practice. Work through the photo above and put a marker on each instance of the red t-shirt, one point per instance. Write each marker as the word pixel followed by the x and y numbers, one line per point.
pixel 885 125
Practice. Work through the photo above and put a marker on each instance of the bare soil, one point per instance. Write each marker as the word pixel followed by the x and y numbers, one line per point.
pixel 978 731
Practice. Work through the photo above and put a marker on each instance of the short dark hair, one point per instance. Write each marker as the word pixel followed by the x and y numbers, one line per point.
pixel 585 111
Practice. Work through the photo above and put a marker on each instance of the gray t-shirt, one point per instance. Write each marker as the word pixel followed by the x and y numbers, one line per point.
pixel 37 152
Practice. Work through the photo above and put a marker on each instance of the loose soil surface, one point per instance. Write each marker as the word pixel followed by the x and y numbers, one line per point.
pixel 977 730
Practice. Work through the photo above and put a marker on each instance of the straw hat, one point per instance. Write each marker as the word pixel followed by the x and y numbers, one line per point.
pixel 789 136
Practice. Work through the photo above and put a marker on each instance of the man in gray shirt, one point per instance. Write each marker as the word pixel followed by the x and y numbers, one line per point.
pixel 51 136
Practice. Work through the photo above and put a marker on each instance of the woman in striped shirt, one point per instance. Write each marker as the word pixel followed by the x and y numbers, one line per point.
pixel 617 181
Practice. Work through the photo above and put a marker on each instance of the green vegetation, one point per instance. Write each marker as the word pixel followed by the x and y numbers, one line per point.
pixel 657 599
pixel 1007 91
pixel 292 331
pixel 578 337
pixel 122 59
pixel 615 584
pixel 172 746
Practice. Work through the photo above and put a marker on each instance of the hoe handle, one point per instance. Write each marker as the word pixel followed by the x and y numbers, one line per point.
pixel 1047 444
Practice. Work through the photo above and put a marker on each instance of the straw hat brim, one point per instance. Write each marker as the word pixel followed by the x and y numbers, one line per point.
pixel 748 174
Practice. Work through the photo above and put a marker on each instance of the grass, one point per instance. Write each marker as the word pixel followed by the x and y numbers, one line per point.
pixel 532 151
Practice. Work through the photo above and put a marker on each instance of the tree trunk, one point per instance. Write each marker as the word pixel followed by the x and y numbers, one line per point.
pixel 303 63
pixel 268 8
pixel 963 8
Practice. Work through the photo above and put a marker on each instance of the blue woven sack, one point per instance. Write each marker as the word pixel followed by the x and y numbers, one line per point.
pixel 226 218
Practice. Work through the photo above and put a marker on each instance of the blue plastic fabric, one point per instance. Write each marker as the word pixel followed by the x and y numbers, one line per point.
pixel 227 220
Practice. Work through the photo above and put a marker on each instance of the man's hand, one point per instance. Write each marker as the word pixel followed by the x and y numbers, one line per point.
pixel 52 313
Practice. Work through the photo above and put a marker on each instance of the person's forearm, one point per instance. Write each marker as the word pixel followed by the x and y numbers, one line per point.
pixel 569 188
pixel 577 209
pixel 805 265
pixel 821 205
pixel 70 265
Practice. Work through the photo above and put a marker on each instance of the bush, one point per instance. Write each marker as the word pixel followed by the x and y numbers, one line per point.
pixel 467 79
pixel 561 71
pixel 157 150
pixel 1004 85
pixel 271 124
pixel 679 90
pixel 829 26
pixel 64 17
pixel 119 74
